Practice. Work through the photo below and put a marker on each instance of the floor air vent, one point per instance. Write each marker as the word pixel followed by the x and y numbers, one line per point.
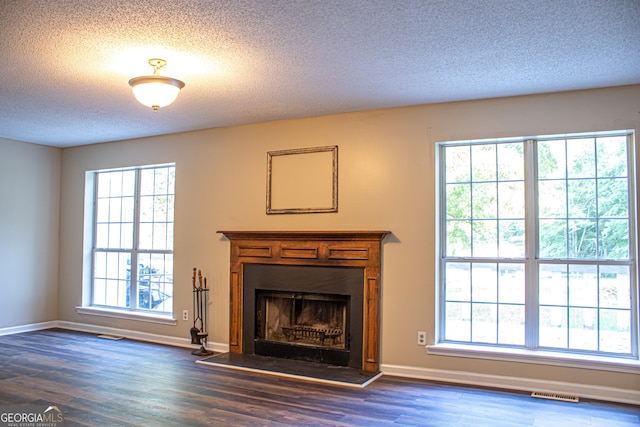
pixel 554 396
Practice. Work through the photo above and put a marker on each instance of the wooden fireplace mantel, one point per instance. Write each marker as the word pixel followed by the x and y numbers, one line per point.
pixel 358 249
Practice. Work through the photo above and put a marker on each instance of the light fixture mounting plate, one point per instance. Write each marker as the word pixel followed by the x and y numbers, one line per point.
pixel 157 63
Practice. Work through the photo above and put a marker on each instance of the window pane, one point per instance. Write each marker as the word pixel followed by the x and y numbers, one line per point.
pixel 553 284
pixel 160 208
pixel 583 285
pixel 100 264
pixel 484 323
pixel 99 292
pixel 161 180
pixel 458 281
pixel 115 184
pixel 103 185
pixel 582 239
pixel 458 201
pixel 581 158
pixel 114 236
pixel 155 282
pixel 583 329
pixel 613 197
pixel 553 240
pixel 551 159
pixel 170 208
pixel 115 211
pixel 128 183
pixel 483 162
pixel 511 196
pixel 458 321
pixel 147 182
pixel 146 209
pixel 484 282
pixel 458 238
pixel 146 235
pixel 112 279
pixel 126 238
pixel 159 236
pixel 485 200
pixel 170 228
pixel 615 331
pixel 553 327
pixel 127 209
pixel 582 198
pixel 615 286
pixel 511 324
pixel 485 238
pixel 102 210
pixel 613 239
pixel 612 156
pixel 511 239
pixel 102 236
pixel 511 161
pixel 511 283
pixel 458 164
pixel 552 199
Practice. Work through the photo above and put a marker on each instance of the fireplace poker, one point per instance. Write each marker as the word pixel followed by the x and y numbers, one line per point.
pixel 194 331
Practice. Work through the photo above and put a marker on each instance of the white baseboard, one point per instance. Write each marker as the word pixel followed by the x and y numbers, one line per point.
pixel 28 328
pixel 127 333
pixel 140 336
pixel 515 383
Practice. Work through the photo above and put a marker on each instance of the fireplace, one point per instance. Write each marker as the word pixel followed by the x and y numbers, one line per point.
pixel 306 295
pixel 303 312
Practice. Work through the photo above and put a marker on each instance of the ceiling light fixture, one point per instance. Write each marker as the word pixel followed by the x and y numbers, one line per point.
pixel 156 91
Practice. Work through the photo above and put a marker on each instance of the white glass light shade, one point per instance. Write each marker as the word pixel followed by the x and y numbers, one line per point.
pixel 155 91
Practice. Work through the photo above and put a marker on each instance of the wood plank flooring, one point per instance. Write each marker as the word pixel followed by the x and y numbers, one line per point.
pixel 98 382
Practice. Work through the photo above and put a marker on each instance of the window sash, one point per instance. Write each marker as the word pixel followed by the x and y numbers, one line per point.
pixel 531 261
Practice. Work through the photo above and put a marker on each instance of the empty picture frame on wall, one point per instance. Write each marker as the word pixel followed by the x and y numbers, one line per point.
pixel 303 180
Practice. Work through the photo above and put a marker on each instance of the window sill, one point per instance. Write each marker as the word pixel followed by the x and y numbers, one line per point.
pixel 630 366
pixel 128 315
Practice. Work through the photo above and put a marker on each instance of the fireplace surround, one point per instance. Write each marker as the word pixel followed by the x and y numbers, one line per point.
pixel 339 268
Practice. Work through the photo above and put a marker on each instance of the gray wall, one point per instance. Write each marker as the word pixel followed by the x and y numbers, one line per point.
pixel 29 224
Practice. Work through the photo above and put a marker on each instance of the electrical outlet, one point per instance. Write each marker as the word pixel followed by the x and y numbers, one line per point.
pixel 185 314
pixel 422 338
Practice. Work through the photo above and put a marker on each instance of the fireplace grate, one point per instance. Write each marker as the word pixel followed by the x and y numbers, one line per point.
pixel 311 334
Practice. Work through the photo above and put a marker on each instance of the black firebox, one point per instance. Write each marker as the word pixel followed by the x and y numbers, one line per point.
pixel 304 313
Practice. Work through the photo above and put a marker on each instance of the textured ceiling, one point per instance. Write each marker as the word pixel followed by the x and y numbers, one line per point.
pixel 65 64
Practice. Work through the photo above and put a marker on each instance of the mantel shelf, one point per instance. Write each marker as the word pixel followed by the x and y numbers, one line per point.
pixel 306 235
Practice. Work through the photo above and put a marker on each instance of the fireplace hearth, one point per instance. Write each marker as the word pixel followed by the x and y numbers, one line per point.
pixel 312 296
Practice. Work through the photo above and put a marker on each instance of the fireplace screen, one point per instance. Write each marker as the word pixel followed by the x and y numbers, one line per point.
pixel 300 318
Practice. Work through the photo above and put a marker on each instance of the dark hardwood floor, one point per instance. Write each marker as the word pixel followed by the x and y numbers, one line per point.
pixel 98 382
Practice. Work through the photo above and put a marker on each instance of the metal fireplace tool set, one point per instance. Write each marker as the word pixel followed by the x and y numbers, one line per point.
pixel 199 330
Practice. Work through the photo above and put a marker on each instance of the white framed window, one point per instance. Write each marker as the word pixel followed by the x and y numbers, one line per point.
pixel 132 248
pixel 537 244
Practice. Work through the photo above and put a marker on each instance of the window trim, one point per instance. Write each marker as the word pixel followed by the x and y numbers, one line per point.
pixel 530 351
pixel 91 210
